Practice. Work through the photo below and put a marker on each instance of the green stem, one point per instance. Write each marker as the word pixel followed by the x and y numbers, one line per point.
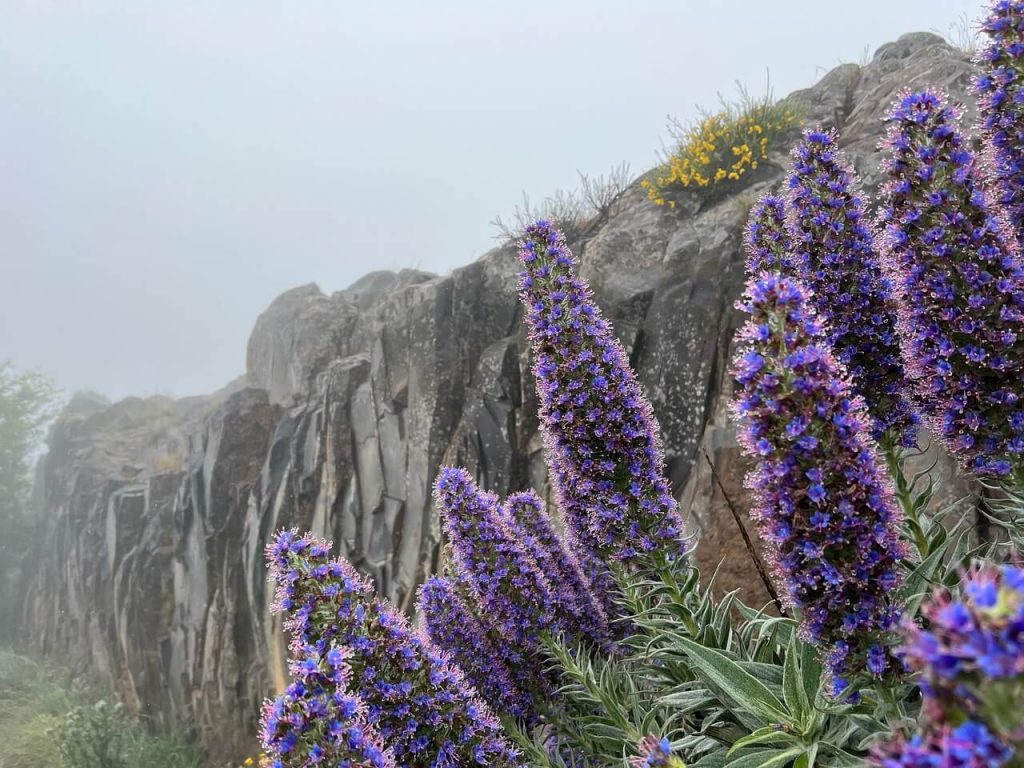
pixel 905 497
pixel 892 709
pixel 678 594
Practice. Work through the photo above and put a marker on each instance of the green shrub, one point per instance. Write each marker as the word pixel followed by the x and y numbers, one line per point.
pixel 718 148
pixel 48 719
pixel 94 736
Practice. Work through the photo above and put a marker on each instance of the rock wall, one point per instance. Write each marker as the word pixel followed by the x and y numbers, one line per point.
pixel 157 512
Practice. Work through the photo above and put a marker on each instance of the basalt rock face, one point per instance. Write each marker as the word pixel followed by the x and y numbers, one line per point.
pixel 157 512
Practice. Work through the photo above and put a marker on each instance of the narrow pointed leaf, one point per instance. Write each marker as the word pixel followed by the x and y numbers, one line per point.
pixel 746 690
pixel 792 684
pixel 769 735
pixel 810 672
pixel 765 759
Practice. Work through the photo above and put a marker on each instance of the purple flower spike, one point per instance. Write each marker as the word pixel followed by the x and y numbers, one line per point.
pixel 314 722
pixel 1000 91
pixel 578 612
pixel 600 435
pixel 766 238
pixel 824 507
pixel 834 256
pixel 969 745
pixel 504 577
pixel 451 625
pixel 506 588
pixel 959 286
pixel 417 701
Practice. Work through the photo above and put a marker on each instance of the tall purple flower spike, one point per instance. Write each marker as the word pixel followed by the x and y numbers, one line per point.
pixel 533 686
pixel 451 624
pixel 834 256
pixel 825 509
pixel 600 436
pixel 418 703
pixel 578 612
pixel 316 723
pixel 959 285
pixel 505 587
pixel 505 578
pixel 766 238
pixel 1000 91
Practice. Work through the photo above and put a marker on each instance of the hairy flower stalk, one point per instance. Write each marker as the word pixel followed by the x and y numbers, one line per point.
pixel 834 256
pixel 508 591
pixel 453 626
pixel 970 656
pixel 315 722
pixel 578 612
pixel 823 505
pixel 600 436
pixel 959 286
pixel 1000 91
pixel 414 698
pixel 766 237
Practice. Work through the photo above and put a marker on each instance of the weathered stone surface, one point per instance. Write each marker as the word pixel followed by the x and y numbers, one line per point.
pixel 298 335
pixel 151 571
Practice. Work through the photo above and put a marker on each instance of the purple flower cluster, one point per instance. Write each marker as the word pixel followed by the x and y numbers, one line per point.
pixel 823 505
pixel 481 655
pixel 767 238
pixel 504 578
pixel 970 655
pixel 315 722
pixel 834 256
pixel 973 648
pixel 959 285
pixel 418 703
pixel 577 610
pixel 654 753
pixel 1000 90
pixel 600 436
pixel 511 580
pixel 502 582
pixel 969 745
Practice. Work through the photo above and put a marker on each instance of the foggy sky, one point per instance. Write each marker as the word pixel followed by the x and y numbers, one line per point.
pixel 167 168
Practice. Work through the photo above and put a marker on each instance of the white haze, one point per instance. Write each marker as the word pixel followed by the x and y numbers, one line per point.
pixel 168 168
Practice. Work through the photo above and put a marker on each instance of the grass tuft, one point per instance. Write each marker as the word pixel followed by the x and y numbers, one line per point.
pixel 717 149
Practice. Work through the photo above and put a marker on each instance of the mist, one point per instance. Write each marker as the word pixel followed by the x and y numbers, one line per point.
pixel 169 168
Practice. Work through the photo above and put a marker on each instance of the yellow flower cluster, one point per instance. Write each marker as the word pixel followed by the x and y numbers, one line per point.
pixel 719 148
pixel 261 762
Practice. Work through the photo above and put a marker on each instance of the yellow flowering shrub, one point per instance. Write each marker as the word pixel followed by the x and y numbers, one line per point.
pixel 719 148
